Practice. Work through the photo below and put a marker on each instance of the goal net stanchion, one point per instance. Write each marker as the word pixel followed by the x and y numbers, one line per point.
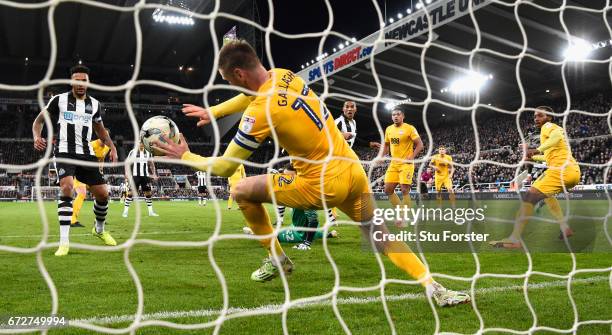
pixel 374 44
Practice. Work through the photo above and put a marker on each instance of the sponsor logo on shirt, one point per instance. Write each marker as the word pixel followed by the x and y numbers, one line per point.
pixel 77 117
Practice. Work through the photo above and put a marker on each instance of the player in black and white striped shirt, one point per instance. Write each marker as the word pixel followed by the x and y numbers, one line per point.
pixel 75 116
pixel 140 173
pixel 202 191
pixel 346 122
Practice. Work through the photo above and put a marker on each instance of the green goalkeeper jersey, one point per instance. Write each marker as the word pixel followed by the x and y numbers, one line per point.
pixel 299 218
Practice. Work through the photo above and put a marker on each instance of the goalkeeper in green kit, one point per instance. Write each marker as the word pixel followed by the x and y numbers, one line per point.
pixel 300 218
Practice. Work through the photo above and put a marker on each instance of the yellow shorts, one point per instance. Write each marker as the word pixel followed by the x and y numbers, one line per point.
pixel 399 173
pixel 349 191
pixel 554 181
pixel 445 182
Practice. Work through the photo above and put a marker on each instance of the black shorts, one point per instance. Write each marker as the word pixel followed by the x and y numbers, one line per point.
pixel 142 183
pixel 423 188
pixel 202 190
pixel 89 175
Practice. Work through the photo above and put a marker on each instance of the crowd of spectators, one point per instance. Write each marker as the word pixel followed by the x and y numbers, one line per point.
pixel 478 149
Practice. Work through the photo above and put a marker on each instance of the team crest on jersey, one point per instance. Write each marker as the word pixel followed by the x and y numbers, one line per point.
pixel 61 172
pixel 247 124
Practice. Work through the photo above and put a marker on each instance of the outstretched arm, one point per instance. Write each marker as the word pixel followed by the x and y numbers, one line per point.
pixel 236 104
pixel 222 166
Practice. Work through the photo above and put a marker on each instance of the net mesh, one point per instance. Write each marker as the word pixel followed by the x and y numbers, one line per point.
pixel 139 320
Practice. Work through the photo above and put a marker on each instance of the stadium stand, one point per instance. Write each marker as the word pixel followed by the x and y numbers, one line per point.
pixel 590 140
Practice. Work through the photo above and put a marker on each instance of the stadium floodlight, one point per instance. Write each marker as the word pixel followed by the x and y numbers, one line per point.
pixel 353 39
pixel 577 50
pixel 399 15
pixel 346 43
pixel 428 1
pixel 341 46
pixel 470 83
pixel 408 11
pixel 389 105
pixel 419 5
pixel 391 20
pixel 160 16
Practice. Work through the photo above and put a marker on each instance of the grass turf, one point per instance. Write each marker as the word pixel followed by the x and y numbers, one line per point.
pixel 94 284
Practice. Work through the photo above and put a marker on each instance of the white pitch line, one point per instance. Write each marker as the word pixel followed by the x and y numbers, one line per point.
pixel 150 233
pixel 272 308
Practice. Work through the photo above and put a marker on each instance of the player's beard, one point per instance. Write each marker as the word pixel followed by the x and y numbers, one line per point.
pixel 80 93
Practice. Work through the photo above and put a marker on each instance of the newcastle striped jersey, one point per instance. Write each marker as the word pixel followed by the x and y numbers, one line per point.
pixel 347 126
pixel 73 119
pixel 140 168
pixel 201 178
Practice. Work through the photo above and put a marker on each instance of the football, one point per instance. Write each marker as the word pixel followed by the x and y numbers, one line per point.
pixel 154 128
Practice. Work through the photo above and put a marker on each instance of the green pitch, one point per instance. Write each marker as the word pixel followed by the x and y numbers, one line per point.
pixel 181 286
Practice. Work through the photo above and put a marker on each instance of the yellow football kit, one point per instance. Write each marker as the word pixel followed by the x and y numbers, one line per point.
pixel 401 142
pixel 288 112
pixel 100 150
pixel 562 172
pixel 442 176
pixel 238 175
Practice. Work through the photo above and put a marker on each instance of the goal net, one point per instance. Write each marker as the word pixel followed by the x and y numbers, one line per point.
pixel 402 65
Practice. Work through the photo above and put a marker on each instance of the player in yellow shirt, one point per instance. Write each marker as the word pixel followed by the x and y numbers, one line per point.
pixel 100 151
pixel 283 101
pixel 562 174
pixel 442 163
pixel 404 143
pixel 233 180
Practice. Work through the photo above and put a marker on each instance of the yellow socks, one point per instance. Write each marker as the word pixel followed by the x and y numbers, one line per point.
pixel 555 210
pixel 76 207
pixel 230 201
pixel 395 200
pixel 406 200
pixel 406 260
pixel 258 220
pixel 522 216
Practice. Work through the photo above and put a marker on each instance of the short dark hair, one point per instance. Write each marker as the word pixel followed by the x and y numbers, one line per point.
pixel 79 69
pixel 548 110
pixel 237 54
pixel 397 109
